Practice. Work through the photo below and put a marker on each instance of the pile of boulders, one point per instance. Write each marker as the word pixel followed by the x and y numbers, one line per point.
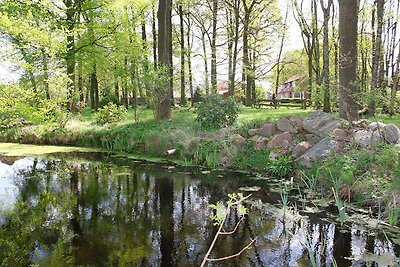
pixel 317 136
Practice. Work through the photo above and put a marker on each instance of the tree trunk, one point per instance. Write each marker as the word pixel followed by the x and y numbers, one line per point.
pixel 376 57
pixel 316 52
pixel 116 87
pixel 278 63
pixel 214 47
pixel 80 83
pixel 70 55
pixel 246 61
pixel 395 84
pixel 235 47
pixel 327 93
pixel 230 37
pixel 154 33
pixel 46 74
pixel 207 84
pixel 163 111
pixel 189 57
pixel 94 86
pixel 182 43
pixel 146 60
pixel 348 15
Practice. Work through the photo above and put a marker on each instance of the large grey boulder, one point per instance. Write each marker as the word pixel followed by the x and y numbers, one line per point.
pixel 391 133
pixel 312 138
pixel 300 149
pixel 280 139
pixel 323 124
pixel 238 140
pixel 367 137
pixel 322 149
pixel 376 126
pixel 253 132
pixel 268 129
pixel 291 124
pixel 261 143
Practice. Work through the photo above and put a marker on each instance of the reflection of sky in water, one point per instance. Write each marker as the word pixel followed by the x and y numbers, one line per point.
pixel 8 190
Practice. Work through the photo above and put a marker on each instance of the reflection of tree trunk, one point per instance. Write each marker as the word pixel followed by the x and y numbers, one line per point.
pixel 74 185
pixel 118 213
pixel 247 226
pixel 341 247
pixel 166 195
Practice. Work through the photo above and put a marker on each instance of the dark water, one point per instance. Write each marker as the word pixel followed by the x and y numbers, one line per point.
pixel 101 211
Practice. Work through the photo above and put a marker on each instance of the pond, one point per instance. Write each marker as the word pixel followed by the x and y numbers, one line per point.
pixel 99 210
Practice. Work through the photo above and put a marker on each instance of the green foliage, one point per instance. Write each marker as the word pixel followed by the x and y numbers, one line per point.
pixel 363 164
pixel 340 205
pixel 18 104
pixel 281 167
pixel 249 158
pixel 207 153
pixel 260 92
pixel 393 216
pixel 197 95
pixel 109 114
pixel 222 210
pixel 109 98
pixel 215 112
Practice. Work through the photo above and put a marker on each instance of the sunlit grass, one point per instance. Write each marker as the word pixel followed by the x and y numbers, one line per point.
pixel 248 114
pixel 180 117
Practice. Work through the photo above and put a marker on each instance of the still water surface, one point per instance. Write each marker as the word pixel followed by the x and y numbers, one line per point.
pixel 95 210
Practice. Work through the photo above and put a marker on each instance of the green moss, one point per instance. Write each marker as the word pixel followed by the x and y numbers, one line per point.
pixel 15 150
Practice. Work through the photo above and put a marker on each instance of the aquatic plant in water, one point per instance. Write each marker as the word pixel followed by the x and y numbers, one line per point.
pixel 222 212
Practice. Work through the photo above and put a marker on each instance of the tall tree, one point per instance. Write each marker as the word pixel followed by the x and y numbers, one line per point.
pixel 248 74
pixel 348 15
pixel 327 94
pixel 377 56
pixel 214 46
pixel 182 52
pixel 163 111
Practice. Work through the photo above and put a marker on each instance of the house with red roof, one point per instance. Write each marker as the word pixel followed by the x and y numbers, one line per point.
pixel 287 89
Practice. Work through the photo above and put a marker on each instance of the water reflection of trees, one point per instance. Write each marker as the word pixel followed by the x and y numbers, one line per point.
pixel 102 214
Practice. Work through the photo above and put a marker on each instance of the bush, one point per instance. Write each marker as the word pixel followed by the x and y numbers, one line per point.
pixel 281 167
pixel 197 96
pixel 214 112
pixel 109 114
pixel 107 99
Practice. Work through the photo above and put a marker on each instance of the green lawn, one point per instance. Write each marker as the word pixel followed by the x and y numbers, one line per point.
pixel 185 117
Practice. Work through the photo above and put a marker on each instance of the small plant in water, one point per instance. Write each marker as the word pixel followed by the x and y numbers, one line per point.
pixel 284 199
pixel 340 206
pixel 221 213
pixel 393 216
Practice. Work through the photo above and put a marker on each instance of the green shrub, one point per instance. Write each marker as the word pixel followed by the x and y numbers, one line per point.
pixel 281 167
pixel 214 112
pixel 109 114
pixel 249 158
pixel 207 153
pixel 197 96
pixel 111 98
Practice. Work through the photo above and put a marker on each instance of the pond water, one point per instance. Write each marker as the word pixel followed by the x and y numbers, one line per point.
pixel 98 210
